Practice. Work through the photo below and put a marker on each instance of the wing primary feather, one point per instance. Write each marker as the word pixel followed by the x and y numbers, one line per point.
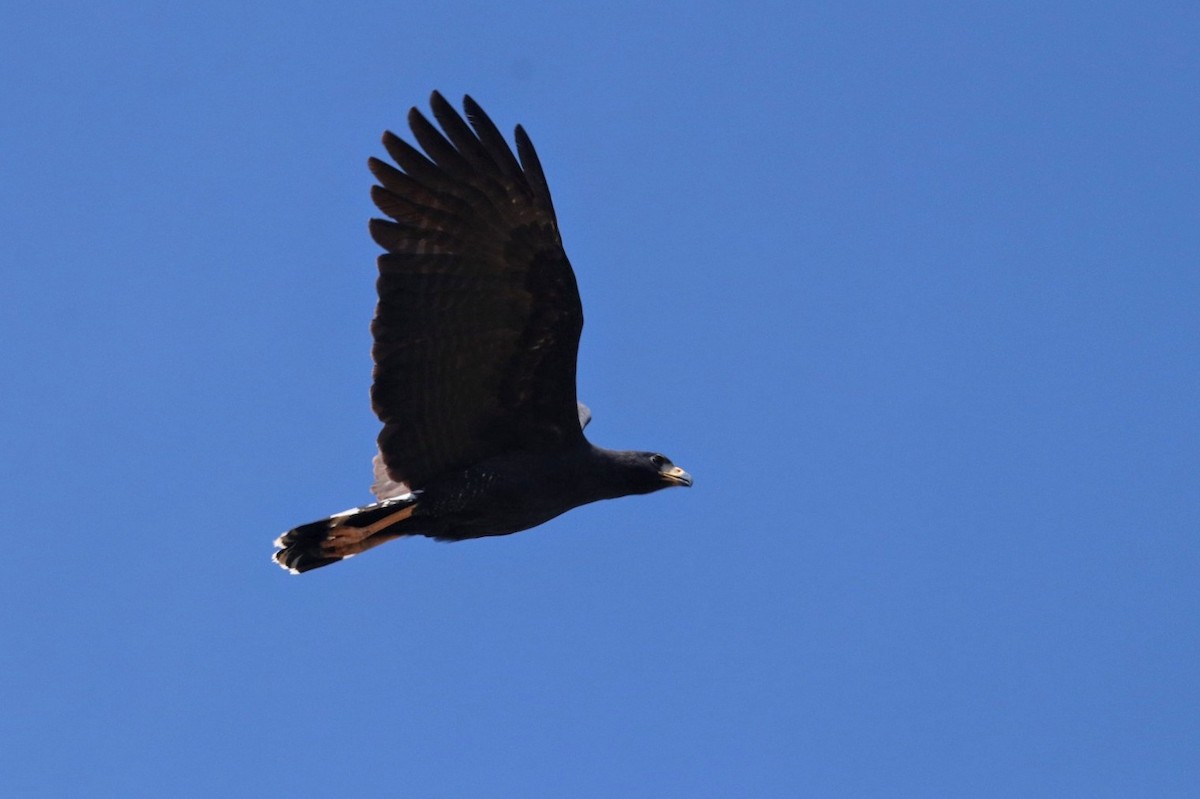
pixel 400 238
pixel 437 148
pixel 461 135
pixel 405 186
pixel 406 211
pixel 533 172
pixel 494 142
pixel 410 159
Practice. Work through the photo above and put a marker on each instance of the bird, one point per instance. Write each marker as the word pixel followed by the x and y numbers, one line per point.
pixel 475 342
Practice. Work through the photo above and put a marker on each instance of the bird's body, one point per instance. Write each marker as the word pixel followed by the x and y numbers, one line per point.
pixel 520 490
pixel 476 335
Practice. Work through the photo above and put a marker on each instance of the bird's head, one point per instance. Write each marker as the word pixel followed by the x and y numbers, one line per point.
pixel 650 471
pixel 668 473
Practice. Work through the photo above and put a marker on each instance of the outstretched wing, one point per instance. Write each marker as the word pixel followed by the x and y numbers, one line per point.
pixel 477 327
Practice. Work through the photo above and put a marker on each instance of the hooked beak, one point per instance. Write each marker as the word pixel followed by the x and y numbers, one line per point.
pixel 676 477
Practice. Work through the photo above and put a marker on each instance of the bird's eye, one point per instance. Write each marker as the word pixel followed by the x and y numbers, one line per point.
pixel 659 461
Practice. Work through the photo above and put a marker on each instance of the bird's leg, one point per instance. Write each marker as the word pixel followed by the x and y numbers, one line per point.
pixel 344 540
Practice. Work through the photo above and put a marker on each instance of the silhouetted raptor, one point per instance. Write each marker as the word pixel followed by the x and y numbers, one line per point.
pixel 476 335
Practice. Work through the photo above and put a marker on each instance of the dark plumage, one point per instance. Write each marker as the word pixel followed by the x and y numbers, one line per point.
pixel 476 335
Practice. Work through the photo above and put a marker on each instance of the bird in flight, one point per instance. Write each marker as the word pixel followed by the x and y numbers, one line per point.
pixel 475 340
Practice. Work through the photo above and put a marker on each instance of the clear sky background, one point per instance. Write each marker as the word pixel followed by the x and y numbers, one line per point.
pixel 912 289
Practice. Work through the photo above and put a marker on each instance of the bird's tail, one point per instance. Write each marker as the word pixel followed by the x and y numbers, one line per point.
pixel 316 544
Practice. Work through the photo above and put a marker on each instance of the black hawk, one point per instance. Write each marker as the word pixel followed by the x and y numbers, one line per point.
pixel 475 340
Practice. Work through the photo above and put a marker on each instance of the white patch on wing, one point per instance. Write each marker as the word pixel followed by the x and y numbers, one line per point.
pixel 384 486
pixel 585 414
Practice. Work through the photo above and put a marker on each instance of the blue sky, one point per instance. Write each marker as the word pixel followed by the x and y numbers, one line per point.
pixel 910 289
